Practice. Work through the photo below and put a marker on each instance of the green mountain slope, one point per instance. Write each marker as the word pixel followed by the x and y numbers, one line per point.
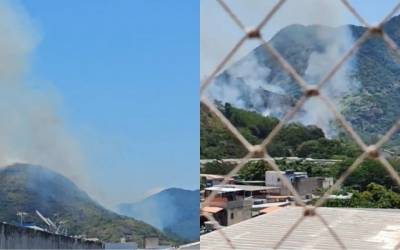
pixel 174 210
pixel 294 139
pixel 372 106
pixel 28 188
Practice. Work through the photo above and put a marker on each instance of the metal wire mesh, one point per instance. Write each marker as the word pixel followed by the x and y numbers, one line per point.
pixel 309 91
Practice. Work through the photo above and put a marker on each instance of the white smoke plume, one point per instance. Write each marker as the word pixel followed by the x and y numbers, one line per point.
pixel 31 130
pixel 255 76
pixel 340 85
pixel 245 90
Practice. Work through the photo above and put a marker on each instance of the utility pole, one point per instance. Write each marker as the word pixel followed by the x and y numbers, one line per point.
pixel 21 216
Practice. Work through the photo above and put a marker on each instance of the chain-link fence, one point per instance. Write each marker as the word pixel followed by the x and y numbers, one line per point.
pixel 309 91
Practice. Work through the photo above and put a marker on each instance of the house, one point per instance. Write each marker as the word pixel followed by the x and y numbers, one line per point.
pixel 303 184
pixel 255 192
pixel 228 207
pixel 213 179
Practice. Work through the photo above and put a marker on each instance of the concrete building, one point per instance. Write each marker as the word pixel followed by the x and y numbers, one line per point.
pixel 303 184
pixel 121 245
pixel 312 185
pixel 273 178
pixel 213 179
pixel 151 242
pixel 356 228
pixel 252 191
pixel 127 245
pixel 229 206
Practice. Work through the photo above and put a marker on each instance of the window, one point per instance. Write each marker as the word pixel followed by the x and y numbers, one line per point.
pixel 232 216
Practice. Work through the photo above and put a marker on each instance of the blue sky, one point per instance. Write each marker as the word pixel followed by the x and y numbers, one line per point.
pixel 127 73
pixel 373 11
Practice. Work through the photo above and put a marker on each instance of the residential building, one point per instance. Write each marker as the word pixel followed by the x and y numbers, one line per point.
pixel 229 206
pixel 213 179
pixel 303 184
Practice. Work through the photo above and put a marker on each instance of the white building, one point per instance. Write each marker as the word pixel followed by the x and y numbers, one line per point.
pixel 303 184
pixel 273 178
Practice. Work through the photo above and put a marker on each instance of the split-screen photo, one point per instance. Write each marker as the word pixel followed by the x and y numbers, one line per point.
pixel 199 124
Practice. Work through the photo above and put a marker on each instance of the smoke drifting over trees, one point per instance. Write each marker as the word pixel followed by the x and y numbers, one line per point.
pixel 246 82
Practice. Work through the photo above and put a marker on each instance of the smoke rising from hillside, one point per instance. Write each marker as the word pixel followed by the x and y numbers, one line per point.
pixel 341 84
pixel 249 77
pixel 218 33
pixel 31 129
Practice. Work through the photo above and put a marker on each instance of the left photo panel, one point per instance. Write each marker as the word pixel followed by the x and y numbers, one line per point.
pixel 99 128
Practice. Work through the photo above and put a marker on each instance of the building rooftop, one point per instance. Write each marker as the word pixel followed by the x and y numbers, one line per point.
pixel 251 188
pixel 212 176
pixel 271 204
pixel 224 189
pixel 357 229
pixel 211 210
pixel 269 210
pixel 287 172
pixel 191 246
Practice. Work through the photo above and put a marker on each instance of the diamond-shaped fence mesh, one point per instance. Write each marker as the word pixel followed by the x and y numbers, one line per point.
pixel 308 92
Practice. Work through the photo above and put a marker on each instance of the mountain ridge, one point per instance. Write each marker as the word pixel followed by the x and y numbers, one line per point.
pixel 27 188
pixel 173 210
pixel 372 101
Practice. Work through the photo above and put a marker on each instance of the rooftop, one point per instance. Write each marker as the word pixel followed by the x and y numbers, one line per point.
pixel 211 210
pixel 251 188
pixel 191 246
pixel 212 176
pixel 357 229
pixel 224 189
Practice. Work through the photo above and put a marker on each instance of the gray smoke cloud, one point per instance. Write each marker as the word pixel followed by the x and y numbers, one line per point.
pixel 31 129
pixel 251 77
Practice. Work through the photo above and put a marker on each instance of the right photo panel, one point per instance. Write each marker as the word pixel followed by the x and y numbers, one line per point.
pixel 299 124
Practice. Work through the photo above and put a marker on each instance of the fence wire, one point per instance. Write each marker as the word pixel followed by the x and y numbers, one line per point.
pixel 309 91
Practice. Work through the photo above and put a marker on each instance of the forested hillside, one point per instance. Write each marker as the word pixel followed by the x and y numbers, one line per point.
pixel 295 139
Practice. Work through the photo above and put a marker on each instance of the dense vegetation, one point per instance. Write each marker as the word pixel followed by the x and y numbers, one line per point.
pixel 374 196
pixel 217 167
pixel 294 139
pixel 28 188
pixel 370 183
